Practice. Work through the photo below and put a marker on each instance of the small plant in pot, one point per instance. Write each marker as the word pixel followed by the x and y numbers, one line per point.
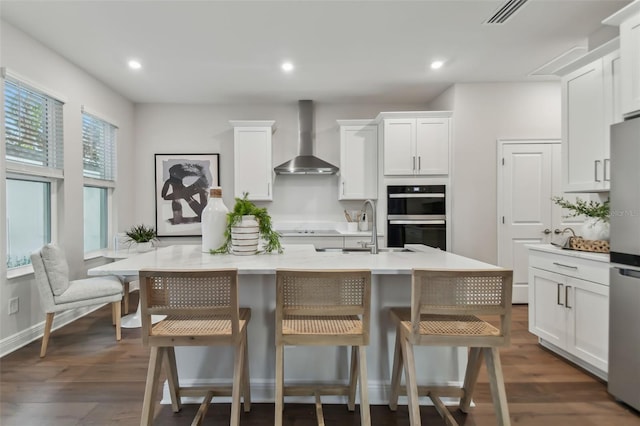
pixel 241 210
pixel 596 224
pixel 143 236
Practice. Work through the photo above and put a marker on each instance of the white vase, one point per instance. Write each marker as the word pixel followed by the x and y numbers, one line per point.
pixel 595 229
pixel 214 221
pixel 144 247
pixel 245 236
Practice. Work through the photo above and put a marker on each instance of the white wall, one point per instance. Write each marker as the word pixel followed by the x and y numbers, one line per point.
pixel 23 56
pixel 206 129
pixel 482 114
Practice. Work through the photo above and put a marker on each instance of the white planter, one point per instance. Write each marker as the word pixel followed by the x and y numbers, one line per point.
pixel 143 247
pixel 595 229
pixel 245 236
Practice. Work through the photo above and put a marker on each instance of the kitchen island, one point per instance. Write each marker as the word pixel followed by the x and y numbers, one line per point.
pixel 391 278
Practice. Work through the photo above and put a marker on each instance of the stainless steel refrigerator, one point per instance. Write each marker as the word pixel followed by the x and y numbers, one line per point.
pixel 624 285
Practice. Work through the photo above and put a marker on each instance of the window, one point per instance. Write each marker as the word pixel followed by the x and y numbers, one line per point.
pixel 98 147
pixel 34 164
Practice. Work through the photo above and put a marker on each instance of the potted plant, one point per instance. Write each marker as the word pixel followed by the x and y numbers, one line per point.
pixel 241 210
pixel 596 224
pixel 143 236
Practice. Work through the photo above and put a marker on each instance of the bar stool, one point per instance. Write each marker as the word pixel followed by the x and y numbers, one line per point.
pixel 202 310
pixel 327 308
pixel 444 305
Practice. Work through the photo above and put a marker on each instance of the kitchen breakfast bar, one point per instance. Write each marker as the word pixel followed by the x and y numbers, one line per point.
pixel 391 278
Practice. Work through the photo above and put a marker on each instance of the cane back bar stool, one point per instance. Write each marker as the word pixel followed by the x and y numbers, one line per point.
pixel 327 308
pixel 202 310
pixel 444 311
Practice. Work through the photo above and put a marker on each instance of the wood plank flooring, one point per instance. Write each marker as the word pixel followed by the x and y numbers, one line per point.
pixel 89 379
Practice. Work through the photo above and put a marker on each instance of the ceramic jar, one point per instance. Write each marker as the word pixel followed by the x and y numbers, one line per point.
pixel 214 221
pixel 245 236
pixel 595 229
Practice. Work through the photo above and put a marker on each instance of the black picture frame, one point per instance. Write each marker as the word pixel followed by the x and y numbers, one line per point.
pixel 182 183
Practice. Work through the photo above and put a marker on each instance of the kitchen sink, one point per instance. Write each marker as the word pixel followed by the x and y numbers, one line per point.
pixel 361 250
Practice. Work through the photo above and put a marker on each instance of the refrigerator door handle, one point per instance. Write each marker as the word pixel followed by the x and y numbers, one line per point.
pixel 632 273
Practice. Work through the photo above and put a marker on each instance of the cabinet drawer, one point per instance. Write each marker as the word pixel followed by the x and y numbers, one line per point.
pixel 584 269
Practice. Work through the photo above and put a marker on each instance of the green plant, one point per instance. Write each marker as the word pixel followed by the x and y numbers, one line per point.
pixel 141 234
pixel 592 209
pixel 244 207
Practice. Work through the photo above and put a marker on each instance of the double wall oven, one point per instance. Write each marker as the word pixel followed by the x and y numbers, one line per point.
pixel 416 214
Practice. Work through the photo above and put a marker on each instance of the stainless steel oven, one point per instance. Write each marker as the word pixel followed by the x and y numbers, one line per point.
pixel 416 214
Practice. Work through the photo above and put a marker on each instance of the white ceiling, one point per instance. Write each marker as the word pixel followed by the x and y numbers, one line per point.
pixel 343 51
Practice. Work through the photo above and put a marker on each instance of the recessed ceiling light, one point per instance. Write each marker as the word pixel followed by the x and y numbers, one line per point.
pixel 287 66
pixel 436 65
pixel 134 65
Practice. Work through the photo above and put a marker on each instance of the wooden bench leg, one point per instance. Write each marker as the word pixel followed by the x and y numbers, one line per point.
pixel 246 383
pixel 279 385
pixel 236 390
pixel 172 379
pixel 48 322
pixel 496 381
pixel 412 385
pixel 396 373
pixel 353 379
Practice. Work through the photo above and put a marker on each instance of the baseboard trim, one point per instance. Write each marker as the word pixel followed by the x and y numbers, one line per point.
pixel 16 341
pixel 574 359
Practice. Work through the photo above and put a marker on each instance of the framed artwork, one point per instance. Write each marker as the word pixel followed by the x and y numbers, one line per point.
pixel 182 190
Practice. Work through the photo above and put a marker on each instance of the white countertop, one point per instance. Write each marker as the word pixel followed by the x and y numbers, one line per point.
pixel 319 229
pixel 295 256
pixel 549 248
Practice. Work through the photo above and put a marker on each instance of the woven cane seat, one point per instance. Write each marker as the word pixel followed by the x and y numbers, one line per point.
pixel 451 325
pixel 196 325
pixel 349 324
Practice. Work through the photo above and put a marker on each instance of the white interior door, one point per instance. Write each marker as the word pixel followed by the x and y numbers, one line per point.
pixel 527 177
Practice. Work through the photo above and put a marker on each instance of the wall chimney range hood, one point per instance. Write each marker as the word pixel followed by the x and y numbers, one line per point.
pixel 305 163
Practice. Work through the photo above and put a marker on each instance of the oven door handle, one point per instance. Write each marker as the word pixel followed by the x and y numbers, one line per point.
pixel 422 195
pixel 417 222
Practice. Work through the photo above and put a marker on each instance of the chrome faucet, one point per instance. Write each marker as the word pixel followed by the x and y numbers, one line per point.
pixel 374 228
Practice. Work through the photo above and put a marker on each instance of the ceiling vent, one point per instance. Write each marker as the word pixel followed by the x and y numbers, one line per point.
pixel 505 11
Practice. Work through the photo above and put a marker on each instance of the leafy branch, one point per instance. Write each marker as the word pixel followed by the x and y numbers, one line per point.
pixel 592 208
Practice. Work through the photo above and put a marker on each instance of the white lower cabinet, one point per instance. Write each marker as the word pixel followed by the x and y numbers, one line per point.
pixel 570 314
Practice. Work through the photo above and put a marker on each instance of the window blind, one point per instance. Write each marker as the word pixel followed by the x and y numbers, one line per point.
pixel 99 148
pixel 33 126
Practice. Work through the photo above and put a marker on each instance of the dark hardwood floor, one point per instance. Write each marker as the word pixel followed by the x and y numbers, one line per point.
pixel 89 379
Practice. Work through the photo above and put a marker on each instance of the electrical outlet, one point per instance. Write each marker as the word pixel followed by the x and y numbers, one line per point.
pixel 14 305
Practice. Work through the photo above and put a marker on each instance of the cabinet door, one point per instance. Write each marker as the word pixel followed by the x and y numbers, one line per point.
pixel 358 162
pixel 432 146
pixel 547 316
pixel 252 162
pixel 612 69
pixel 399 146
pixel 583 129
pixel 630 71
pixel 588 324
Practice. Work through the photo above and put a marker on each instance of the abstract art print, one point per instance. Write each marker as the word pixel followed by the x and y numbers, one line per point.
pixel 182 189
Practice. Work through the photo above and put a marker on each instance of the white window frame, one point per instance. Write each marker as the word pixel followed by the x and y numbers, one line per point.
pixel 110 185
pixel 21 171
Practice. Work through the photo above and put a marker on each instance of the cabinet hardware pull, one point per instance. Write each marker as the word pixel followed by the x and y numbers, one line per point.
pixel 606 161
pixel 558 288
pixel 419 162
pixel 546 231
pixel 595 170
pixel 566 297
pixel 342 187
pixel 268 189
pixel 565 266
pixel 414 163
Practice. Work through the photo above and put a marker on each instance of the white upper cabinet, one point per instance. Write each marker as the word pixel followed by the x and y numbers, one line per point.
pixel 628 19
pixel 252 168
pixel 416 143
pixel 590 104
pixel 358 160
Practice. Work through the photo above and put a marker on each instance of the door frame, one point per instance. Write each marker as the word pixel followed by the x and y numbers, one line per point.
pixel 500 143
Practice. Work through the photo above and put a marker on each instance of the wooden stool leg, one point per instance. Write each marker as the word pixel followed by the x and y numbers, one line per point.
pixel 172 379
pixel 151 387
pixel 48 322
pixel 279 384
pixel 365 413
pixel 412 385
pixel 246 386
pixel 115 308
pixel 236 390
pixel 496 380
pixel 396 373
pixel 353 379
pixel 470 378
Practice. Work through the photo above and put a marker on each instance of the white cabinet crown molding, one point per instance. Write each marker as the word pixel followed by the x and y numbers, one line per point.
pixel 623 14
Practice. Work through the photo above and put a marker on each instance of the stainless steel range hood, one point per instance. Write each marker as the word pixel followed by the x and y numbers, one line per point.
pixel 305 163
